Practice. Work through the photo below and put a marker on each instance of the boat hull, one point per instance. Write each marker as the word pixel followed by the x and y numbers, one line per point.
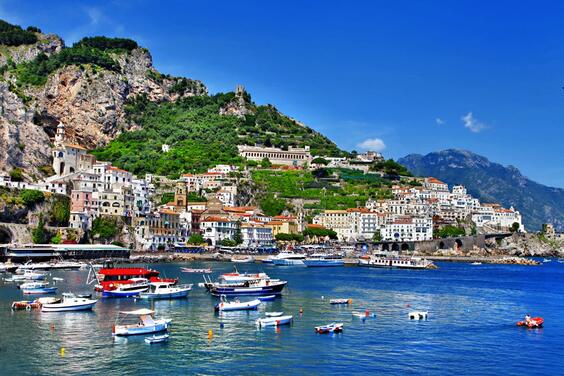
pixel 243 306
pixel 40 291
pixel 323 263
pixel 133 331
pixel 122 294
pixel 87 306
pixel 168 295
pixel 285 262
pixel 273 289
pixel 275 321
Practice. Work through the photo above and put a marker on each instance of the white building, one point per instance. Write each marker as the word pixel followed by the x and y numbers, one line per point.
pixel 215 228
pixel 291 157
pixel 256 235
pixel 408 229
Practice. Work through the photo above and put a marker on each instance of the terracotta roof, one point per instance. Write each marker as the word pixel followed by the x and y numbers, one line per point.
pixel 288 217
pixel 113 168
pixel 216 219
pixel 168 211
pixel 434 180
pixel 312 225
pixel 275 223
pixel 402 221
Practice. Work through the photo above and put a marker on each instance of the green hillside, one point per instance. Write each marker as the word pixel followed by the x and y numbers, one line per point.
pixel 199 137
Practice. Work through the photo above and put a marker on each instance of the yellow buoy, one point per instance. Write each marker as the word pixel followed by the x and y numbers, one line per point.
pixel 62 351
pixel 210 333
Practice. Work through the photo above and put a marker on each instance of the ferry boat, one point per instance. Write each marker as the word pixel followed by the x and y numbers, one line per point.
pixel 256 287
pixel 400 262
pixel 288 259
pixel 323 260
pixel 110 278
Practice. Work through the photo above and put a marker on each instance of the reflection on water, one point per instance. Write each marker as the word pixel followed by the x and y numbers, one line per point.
pixel 471 319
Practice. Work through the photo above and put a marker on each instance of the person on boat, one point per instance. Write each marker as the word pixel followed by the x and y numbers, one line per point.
pixel 527 319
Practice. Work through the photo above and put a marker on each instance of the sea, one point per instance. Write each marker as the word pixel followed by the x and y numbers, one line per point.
pixel 470 330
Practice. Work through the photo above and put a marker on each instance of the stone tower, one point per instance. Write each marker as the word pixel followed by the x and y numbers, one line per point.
pixel 180 195
pixel 59 150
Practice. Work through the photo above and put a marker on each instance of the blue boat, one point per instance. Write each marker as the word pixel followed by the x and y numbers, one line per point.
pixel 323 260
pixel 267 298
pixel 37 288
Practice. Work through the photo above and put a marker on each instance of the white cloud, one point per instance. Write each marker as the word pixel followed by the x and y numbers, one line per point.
pixel 374 144
pixel 472 123
pixel 94 15
pixel 439 121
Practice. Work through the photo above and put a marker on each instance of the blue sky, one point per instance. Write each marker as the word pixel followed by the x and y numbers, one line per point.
pixel 402 76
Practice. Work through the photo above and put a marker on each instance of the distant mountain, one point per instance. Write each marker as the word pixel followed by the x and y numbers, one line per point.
pixel 492 182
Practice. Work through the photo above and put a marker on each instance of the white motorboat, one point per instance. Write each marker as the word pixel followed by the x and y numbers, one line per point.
pixel 323 260
pixel 156 339
pixel 476 263
pixel 236 305
pixel 273 314
pixel 236 277
pixel 69 302
pixel 146 323
pixel 242 259
pixel 275 321
pixel 288 259
pixel 28 275
pixel 165 290
pixel 37 288
pixel 137 286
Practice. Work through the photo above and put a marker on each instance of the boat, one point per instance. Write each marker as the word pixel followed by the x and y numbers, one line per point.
pixel 191 270
pixel 134 288
pixel 146 323
pixel 323 260
pixel 242 259
pixel 26 304
pixel 418 315
pixel 340 301
pixel 267 298
pixel 28 275
pixel 156 339
pixel 37 288
pixel 403 262
pixel 275 321
pixel 273 314
pixel 363 315
pixel 109 277
pixel 288 259
pixel 259 287
pixel 236 277
pixel 236 305
pixel 476 263
pixel 546 260
pixel 535 322
pixel 58 279
pixel 56 264
pixel 330 328
pixel 69 302
pixel 268 260
pixel 165 290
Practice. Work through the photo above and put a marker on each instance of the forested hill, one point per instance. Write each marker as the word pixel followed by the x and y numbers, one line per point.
pixel 492 182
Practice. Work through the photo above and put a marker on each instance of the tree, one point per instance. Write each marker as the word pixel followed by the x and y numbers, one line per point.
pixel 320 160
pixel 272 206
pixel 227 243
pixel 105 228
pixel 196 238
pixel 167 197
pixel 16 174
pixel 514 227
pixel 57 239
pixel 377 236
pixel 30 197
pixel 450 231
pixel 238 237
pixel 265 163
pixel 39 235
pixel 60 211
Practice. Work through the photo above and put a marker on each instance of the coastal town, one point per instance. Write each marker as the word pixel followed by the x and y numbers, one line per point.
pixel 205 209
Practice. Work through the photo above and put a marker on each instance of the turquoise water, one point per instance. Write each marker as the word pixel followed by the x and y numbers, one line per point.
pixel 471 327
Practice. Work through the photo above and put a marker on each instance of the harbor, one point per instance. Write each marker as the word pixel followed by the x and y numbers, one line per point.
pixel 470 310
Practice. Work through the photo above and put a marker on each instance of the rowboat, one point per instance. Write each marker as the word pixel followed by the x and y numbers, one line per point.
pixel 273 314
pixel 329 328
pixel 165 290
pixel 236 305
pixel 266 298
pixel 192 270
pixel 34 304
pixel 156 339
pixel 340 301
pixel 147 323
pixel 70 302
pixel 275 321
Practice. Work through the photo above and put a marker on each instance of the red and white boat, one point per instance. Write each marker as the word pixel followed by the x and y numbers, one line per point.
pixel 535 322
pixel 110 277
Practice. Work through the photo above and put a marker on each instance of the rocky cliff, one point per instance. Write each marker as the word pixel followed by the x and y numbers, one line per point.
pixel 89 99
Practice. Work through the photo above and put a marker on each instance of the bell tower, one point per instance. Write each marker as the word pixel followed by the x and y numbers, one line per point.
pixel 59 151
pixel 180 195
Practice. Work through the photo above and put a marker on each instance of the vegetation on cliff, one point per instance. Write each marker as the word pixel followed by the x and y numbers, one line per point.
pixel 14 35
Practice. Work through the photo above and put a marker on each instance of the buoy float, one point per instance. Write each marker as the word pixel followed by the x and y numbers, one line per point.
pixel 221 325
pixel 62 351
pixel 322 297
pixel 210 334
pixel 301 310
pixel 52 327
pixel 367 313
pixel 350 301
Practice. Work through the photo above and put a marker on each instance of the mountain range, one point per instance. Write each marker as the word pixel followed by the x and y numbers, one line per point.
pixel 493 182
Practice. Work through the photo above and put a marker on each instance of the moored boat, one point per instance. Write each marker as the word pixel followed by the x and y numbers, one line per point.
pixel 110 277
pixel 69 302
pixel 267 298
pixel 192 270
pixel 403 262
pixel 323 260
pixel 288 259
pixel 242 259
pixel 273 314
pixel 156 339
pixel 340 301
pixel 37 288
pixel 236 305
pixel 330 328
pixel 146 323
pixel 28 275
pixel 165 290
pixel 275 321
pixel 134 288
pixel 255 287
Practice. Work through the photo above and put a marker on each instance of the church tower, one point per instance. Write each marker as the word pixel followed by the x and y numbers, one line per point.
pixel 59 151
pixel 180 195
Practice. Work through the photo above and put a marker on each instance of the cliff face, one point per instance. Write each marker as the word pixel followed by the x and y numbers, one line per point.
pixel 88 99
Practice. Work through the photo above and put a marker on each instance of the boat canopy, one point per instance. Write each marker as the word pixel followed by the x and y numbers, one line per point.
pixel 138 312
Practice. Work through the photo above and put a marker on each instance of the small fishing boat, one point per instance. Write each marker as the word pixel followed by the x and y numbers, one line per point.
pixel 157 339
pixel 476 263
pixel 267 298
pixel 166 290
pixel 37 288
pixel 146 324
pixel 58 279
pixel 69 302
pixel 273 314
pixel 192 270
pixel 236 305
pixel 340 301
pixel 363 315
pixel 535 322
pixel 418 315
pixel 330 328
pixel 28 275
pixel 242 259
pixel 137 286
pixel 275 321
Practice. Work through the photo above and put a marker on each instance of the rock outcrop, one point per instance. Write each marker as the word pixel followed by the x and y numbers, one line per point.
pixel 46 44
